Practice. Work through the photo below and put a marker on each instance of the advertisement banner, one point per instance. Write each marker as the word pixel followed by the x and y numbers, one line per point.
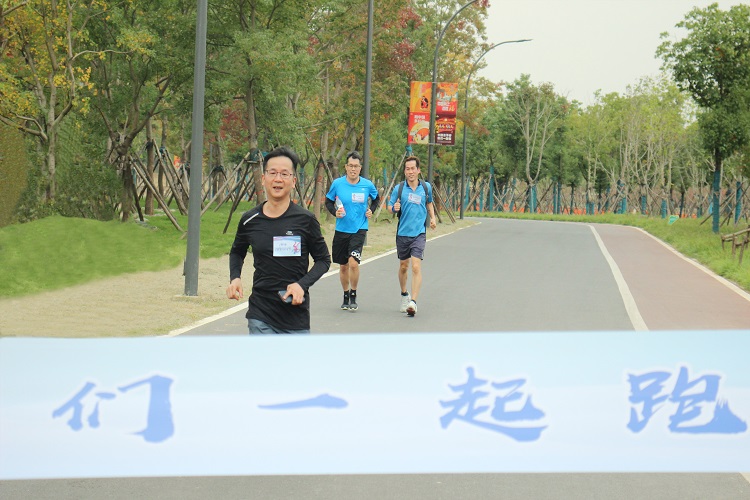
pixel 445 111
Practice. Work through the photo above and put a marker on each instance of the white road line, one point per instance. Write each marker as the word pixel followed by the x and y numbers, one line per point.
pixel 242 306
pixel 630 306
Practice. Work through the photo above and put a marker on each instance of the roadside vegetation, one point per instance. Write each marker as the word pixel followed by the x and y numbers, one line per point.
pixel 57 252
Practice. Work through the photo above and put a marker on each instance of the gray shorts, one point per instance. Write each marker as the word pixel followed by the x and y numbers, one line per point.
pixel 410 246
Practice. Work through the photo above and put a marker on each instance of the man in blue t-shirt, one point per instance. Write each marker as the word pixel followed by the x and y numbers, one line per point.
pixel 413 202
pixel 348 201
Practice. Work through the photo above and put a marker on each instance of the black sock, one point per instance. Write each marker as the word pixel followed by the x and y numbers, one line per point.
pixel 346 294
pixel 352 293
pixel 404 294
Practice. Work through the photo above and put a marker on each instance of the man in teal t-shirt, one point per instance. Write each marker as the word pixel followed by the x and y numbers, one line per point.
pixel 348 201
pixel 413 203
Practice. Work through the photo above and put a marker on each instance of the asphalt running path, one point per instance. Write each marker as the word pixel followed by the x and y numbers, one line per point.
pixel 673 292
pixel 513 275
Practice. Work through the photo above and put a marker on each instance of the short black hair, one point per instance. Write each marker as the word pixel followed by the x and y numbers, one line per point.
pixel 283 151
pixel 355 155
pixel 412 158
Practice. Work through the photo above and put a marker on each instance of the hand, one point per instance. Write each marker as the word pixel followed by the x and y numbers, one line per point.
pixel 433 224
pixel 234 290
pixel 297 293
pixel 397 206
pixel 340 213
pixel 368 214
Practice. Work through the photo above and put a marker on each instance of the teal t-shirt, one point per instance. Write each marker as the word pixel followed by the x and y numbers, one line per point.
pixel 356 199
pixel 413 208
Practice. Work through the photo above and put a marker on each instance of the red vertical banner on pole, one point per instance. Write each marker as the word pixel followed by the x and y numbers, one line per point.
pixel 446 108
pixel 419 113
pixel 445 113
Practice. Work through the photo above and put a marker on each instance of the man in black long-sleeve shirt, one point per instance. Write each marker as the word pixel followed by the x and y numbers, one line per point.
pixel 282 236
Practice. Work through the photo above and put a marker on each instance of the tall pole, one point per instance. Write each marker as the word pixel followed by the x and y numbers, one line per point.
pixel 466 110
pixel 196 153
pixel 433 106
pixel 368 92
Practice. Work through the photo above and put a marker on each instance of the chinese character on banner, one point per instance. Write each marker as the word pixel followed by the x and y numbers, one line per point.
pixel 446 105
pixel 511 405
pixel 694 401
pixel 159 422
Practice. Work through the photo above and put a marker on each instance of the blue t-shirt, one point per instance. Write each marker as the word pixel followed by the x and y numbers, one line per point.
pixel 356 200
pixel 413 208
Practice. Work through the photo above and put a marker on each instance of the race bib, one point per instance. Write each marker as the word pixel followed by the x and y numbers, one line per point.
pixel 415 198
pixel 287 246
pixel 358 197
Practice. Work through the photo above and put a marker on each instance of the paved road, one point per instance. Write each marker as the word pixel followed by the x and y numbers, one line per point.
pixel 500 275
pixel 512 275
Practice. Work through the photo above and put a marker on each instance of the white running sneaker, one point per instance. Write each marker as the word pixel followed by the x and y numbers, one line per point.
pixel 411 309
pixel 405 302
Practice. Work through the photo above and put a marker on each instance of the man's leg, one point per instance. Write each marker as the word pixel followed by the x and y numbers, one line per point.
pixel 344 279
pixel 353 274
pixel 353 281
pixel 403 274
pixel 416 277
pixel 344 275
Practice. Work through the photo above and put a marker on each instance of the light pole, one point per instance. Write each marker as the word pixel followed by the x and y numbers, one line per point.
pixel 368 93
pixel 466 109
pixel 192 255
pixel 431 144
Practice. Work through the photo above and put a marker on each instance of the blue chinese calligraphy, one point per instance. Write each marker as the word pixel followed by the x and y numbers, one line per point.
pixel 506 395
pixel 159 423
pixel 321 401
pixel 159 420
pixel 691 399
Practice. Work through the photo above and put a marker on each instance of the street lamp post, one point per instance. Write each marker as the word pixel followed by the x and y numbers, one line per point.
pixel 192 256
pixel 368 92
pixel 466 109
pixel 431 144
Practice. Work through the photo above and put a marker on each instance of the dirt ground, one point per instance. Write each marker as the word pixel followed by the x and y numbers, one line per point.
pixel 150 303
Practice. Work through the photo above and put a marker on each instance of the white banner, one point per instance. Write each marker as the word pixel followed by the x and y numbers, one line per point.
pixel 369 404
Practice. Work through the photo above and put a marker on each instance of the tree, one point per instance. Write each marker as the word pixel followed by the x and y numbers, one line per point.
pixel 712 63
pixel 132 83
pixel 42 73
pixel 537 112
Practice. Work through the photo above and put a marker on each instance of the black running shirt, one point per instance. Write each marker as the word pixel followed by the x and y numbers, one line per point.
pixel 257 231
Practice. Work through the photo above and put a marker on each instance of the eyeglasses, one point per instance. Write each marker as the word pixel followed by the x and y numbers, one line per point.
pixel 284 175
pixel 353 165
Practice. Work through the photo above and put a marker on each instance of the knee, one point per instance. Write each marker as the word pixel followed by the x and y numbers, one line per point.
pixel 353 264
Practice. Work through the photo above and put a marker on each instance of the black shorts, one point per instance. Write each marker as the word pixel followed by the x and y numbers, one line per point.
pixel 347 245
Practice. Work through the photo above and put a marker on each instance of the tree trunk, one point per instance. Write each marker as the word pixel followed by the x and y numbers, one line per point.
pixel 151 160
pixel 252 141
pixel 318 194
pixel 163 147
pixel 50 184
pixel 716 191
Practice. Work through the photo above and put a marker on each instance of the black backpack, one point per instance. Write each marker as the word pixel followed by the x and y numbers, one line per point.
pixel 426 193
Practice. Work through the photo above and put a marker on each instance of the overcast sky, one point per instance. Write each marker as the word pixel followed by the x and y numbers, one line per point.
pixel 582 45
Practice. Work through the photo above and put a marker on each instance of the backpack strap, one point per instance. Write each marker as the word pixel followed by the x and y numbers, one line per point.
pixel 398 214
